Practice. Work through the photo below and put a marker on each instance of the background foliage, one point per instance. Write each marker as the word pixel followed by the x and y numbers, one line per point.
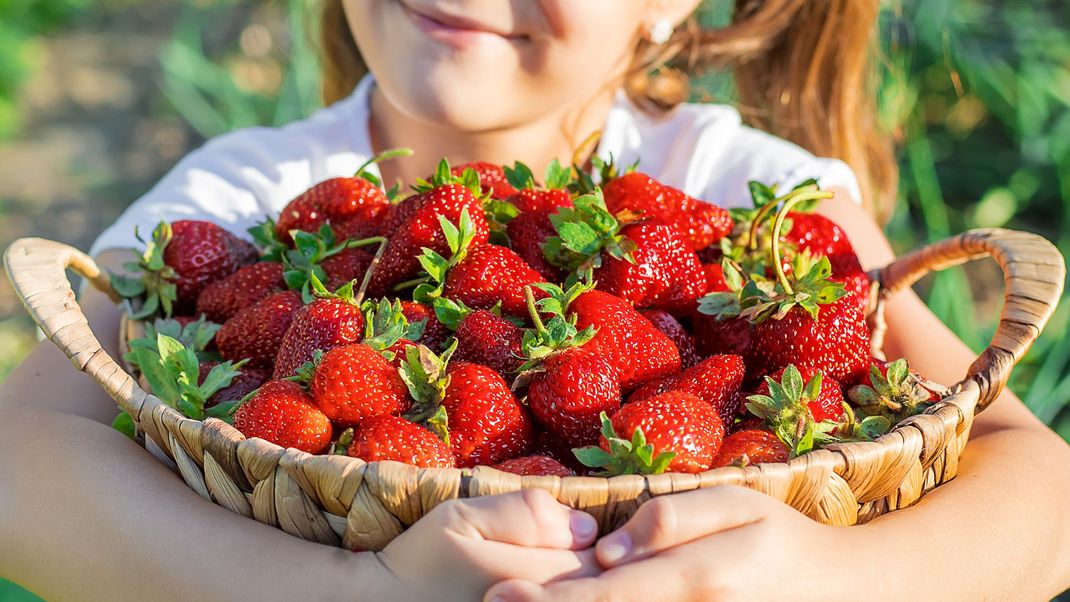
pixel 977 92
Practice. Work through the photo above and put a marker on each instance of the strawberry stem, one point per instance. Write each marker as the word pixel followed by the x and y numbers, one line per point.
pixel 791 200
pixel 383 156
pixel 371 267
pixel 529 298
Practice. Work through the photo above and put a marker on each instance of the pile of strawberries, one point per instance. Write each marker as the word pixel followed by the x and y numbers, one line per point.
pixel 597 323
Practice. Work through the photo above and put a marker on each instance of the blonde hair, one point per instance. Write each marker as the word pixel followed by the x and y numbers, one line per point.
pixel 803 70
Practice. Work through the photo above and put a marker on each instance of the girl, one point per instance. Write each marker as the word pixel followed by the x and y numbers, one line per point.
pixel 530 79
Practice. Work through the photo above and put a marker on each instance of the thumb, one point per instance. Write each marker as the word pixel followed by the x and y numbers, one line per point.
pixel 530 518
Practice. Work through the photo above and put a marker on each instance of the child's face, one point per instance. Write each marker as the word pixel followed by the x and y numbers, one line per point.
pixel 479 65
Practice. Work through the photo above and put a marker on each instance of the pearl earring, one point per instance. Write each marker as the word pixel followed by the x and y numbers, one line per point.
pixel 660 31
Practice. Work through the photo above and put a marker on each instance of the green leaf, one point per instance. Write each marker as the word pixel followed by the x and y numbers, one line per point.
pixel 519 176
pixel 557 177
pixel 760 194
pixel 223 411
pixel 592 456
pixel 125 425
pixel 126 287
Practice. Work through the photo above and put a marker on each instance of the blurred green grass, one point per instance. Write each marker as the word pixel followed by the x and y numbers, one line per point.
pixel 977 93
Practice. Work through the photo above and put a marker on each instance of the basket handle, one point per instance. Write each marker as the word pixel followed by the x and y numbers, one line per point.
pixel 37 270
pixel 1033 270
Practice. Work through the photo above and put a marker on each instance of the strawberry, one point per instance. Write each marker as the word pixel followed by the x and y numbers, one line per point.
pixel 800 412
pixel 487 424
pixel 728 335
pixel 528 232
pixel 334 263
pixel 627 340
pixel 331 320
pixel 245 382
pixel 355 382
pixel 716 380
pixel 388 437
pixel 355 207
pixel 826 405
pixel 488 339
pixel 675 432
pixel 894 391
pixel 444 199
pixel 715 282
pixel 492 179
pixel 752 446
pixel 435 332
pixel 537 466
pixel 671 327
pixel 220 300
pixel 256 332
pixel 570 391
pixel 282 413
pixel 818 234
pixel 700 223
pixel 529 198
pixel 550 445
pixel 178 263
pixel 491 275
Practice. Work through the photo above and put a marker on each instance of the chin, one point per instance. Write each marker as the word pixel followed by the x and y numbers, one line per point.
pixel 444 101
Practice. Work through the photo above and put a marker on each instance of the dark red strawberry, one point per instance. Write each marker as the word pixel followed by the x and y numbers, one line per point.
pixel 220 300
pixel 492 178
pixel 348 265
pixel 674 432
pixel 537 466
pixel 245 382
pixel 331 320
pixel 826 405
pixel 528 232
pixel 488 339
pixel 549 444
pixel 672 328
pixel 178 263
pixel 628 341
pixel 355 382
pixel 422 228
pixel 570 391
pixel 435 332
pixel 717 380
pixel 702 224
pixel 486 423
pixel 729 335
pixel 490 275
pixel 393 438
pixel 754 446
pixel 256 333
pixel 282 412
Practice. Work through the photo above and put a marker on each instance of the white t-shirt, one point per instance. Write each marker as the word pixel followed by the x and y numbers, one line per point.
pixel 239 178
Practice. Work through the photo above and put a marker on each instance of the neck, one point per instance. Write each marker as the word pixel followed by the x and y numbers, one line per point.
pixel 537 143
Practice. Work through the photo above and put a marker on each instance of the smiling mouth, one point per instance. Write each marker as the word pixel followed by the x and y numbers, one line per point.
pixel 449 26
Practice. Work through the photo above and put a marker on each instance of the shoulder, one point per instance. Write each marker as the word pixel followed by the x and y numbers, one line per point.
pixel 706 150
pixel 238 178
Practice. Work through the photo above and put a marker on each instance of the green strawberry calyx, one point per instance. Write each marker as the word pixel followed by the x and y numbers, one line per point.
pixel 271 248
pixel 363 173
pixel 459 239
pixel 587 233
pixel 520 176
pixel 344 293
pixel 896 395
pixel 556 334
pixel 385 324
pixel 469 178
pixel 785 410
pixel 634 456
pixel 424 374
pixel 310 251
pixel 154 280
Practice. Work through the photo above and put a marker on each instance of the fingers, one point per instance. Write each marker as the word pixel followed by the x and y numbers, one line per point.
pixel 529 518
pixel 669 521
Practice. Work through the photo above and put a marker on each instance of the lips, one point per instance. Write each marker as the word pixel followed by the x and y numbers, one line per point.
pixel 434 21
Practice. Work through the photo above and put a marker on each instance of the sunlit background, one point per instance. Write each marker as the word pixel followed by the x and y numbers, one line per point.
pixel 98 99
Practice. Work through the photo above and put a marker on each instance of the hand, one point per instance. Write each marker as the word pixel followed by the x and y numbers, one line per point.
pixel 462 547
pixel 722 543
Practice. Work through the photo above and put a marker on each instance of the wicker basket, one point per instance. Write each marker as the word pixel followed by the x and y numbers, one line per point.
pixel 342 501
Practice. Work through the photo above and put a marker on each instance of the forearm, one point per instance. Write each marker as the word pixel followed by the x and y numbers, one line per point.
pixel 131 529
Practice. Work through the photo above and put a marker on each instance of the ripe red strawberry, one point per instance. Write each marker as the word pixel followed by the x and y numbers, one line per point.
pixel 539 466
pixel 671 327
pixel 394 438
pixel 702 224
pixel 528 232
pixel 490 275
pixel 571 390
pixel 282 412
pixel 330 321
pixel 729 335
pixel 817 234
pixel 492 179
pixel 487 424
pixel 715 282
pixel 421 228
pixel 256 332
pixel 827 405
pixel 835 342
pixel 674 432
pixel 348 265
pixel 220 300
pixel 627 340
pixel 435 332
pixel 245 382
pixel 484 338
pixel 549 444
pixel 663 272
pixel 179 261
pixel 753 446
pixel 716 380
pixel 355 382
pixel 530 198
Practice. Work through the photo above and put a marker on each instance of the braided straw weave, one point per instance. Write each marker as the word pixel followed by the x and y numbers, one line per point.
pixel 342 501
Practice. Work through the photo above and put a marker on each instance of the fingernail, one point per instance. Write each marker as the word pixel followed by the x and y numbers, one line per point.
pixel 615 546
pixel 583 525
